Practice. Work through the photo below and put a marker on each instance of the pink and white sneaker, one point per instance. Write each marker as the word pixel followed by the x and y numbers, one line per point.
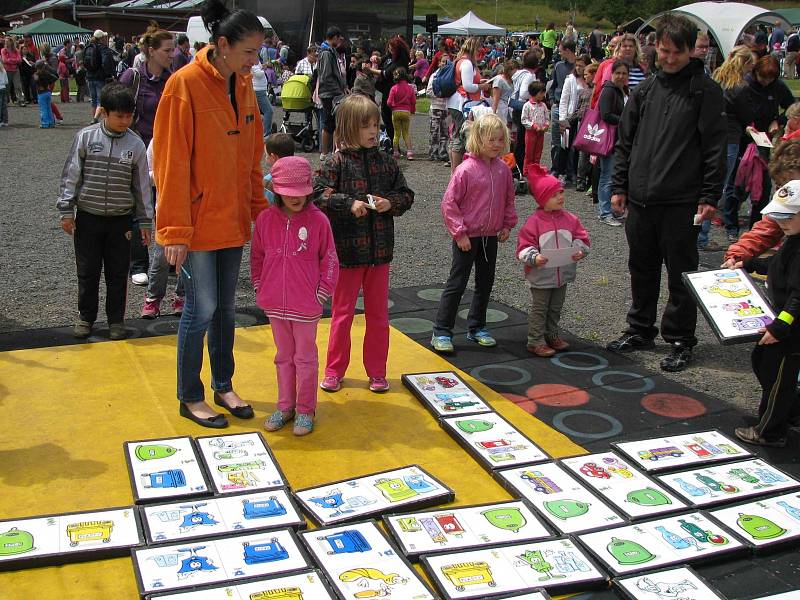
pixel 331 383
pixel 151 308
pixel 378 384
pixel 177 306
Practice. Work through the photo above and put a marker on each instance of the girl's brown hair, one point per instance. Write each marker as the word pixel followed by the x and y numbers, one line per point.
pixel 784 164
pixel 355 111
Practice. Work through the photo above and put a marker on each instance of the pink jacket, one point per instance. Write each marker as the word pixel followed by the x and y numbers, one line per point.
pixel 479 200
pixel 10 59
pixel 750 174
pixel 403 96
pixel 293 263
pixel 550 230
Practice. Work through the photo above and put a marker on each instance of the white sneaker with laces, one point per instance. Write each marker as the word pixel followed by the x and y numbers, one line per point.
pixel 139 279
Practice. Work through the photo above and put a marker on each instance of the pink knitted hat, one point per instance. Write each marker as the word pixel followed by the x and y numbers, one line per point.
pixel 543 186
pixel 291 176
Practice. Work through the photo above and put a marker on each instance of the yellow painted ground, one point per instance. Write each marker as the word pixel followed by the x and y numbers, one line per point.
pixel 66 412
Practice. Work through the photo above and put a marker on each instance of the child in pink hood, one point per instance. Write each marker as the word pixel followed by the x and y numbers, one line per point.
pixel 403 102
pixel 478 210
pixel 294 268
pixel 550 227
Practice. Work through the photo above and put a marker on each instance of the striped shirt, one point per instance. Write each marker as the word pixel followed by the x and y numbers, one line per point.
pixel 635 77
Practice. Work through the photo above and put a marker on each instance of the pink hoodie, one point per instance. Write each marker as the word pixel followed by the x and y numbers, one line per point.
pixel 403 96
pixel 293 263
pixel 479 200
pixel 550 230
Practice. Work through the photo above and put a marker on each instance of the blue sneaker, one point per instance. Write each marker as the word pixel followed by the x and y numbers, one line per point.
pixel 482 337
pixel 442 343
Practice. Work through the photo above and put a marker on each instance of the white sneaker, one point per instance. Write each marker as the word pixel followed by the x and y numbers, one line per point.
pixel 139 279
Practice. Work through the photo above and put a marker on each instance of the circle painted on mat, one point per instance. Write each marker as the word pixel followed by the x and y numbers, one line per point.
pixel 615 427
pixel 478 373
pixel 431 295
pixel 132 332
pixel 600 362
pixel 412 324
pixel 557 394
pixel 673 405
pixel 492 315
pixel 360 303
pixel 163 326
pixel 526 404
pixel 647 384
pixel 245 320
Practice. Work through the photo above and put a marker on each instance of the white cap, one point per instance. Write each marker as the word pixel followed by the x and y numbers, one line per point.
pixel 99 33
pixel 785 202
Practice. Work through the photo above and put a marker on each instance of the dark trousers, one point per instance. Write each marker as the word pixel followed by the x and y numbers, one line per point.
pixel 102 244
pixel 662 234
pixel 519 143
pixel 776 367
pixel 386 116
pixel 482 254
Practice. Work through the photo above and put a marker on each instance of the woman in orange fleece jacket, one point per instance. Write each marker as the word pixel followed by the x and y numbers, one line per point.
pixel 207 144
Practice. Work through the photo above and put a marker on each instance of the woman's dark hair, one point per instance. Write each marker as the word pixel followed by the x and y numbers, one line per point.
pixel 620 63
pixel 232 25
pixel 584 58
pixel 117 97
pixel 550 26
pixel 677 29
pixel 530 60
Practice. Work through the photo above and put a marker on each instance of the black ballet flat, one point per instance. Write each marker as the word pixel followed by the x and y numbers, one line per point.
pixel 215 422
pixel 242 412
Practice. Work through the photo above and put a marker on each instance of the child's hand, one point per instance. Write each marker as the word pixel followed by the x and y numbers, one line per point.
pixel 540 261
pixel 359 208
pixel 731 263
pixel 68 225
pixel 382 204
pixel 578 255
pixel 464 244
pixel 147 235
pixel 503 235
pixel 767 338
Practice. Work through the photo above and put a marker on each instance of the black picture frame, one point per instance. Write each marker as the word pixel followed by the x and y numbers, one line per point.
pixel 542 591
pixel 430 406
pixel 617 583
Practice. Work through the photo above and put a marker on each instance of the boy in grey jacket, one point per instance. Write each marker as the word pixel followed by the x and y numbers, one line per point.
pixel 106 181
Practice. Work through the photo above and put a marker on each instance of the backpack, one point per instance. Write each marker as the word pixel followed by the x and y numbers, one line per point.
pixel 92 58
pixel 444 81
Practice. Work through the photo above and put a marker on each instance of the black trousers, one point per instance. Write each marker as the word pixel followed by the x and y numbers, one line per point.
pixel 386 116
pixel 519 142
pixel 482 254
pixel 776 367
pixel 140 254
pixel 102 244
pixel 662 234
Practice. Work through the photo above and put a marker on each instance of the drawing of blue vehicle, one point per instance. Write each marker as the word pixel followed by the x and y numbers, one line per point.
pixel 260 509
pixel 346 542
pixel 173 478
pixel 262 552
pixel 194 562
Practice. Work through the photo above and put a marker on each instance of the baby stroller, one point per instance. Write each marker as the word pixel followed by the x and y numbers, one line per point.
pixel 298 110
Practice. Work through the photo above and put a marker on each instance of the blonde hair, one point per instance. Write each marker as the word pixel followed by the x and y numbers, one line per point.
pixel 731 73
pixel 480 131
pixel 637 49
pixel 793 111
pixel 470 48
pixel 355 111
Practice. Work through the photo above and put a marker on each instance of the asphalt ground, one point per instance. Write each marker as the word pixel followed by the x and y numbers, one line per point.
pixel 39 290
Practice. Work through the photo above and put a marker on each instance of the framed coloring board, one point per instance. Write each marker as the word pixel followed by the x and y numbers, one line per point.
pixel 69 537
pixel 673 452
pixel 764 523
pixel 445 394
pixel 304 585
pixel 565 503
pixel 555 565
pixel 221 515
pixel 683 539
pixel 534 595
pixel 241 461
pixel 731 303
pixel 729 482
pixel 492 441
pixel 208 561
pixel 630 492
pixel 374 494
pixel 683 583
pixel 457 528
pixel 360 562
pixel 165 469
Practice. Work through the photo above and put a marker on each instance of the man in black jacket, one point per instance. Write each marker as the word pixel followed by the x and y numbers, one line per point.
pixel 669 169
pixel 100 68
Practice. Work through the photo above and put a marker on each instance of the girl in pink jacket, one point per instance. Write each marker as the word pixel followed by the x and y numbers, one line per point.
pixel 403 102
pixel 478 210
pixel 294 268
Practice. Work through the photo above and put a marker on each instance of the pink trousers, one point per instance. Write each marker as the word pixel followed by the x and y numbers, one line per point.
pixel 374 280
pixel 297 364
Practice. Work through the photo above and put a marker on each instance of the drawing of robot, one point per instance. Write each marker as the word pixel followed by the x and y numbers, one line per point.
pixel 334 500
pixel 194 563
pixel 535 559
pixel 665 589
pixel 195 517
pixel 223 444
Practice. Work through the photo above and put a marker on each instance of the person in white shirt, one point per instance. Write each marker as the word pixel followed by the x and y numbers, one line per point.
pixel 567 164
pixel 522 80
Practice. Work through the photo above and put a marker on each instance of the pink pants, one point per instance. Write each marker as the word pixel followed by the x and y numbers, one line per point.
pixel 374 280
pixel 297 364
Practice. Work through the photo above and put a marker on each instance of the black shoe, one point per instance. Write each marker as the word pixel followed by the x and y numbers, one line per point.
pixel 243 412
pixel 628 342
pixel 215 422
pixel 679 358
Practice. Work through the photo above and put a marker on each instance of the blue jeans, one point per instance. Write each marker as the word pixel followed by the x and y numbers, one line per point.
pixel 702 235
pixel 730 199
pixel 210 279
pixel 95 87
pixel 46 118
pixel 158 274
pixel 555 140
pixel 604 188
pixel 265 108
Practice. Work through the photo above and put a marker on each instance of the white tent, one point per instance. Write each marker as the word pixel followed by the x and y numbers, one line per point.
pixel 724 20
pixel 470 24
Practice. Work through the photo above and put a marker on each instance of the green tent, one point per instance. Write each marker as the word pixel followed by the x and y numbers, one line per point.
pixel 48 27
pixel 790 14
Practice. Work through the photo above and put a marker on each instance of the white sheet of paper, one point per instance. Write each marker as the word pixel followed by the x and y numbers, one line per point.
pixel 760 138
pixel 558 257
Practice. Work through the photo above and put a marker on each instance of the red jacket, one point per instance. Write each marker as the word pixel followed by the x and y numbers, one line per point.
pixel 764 235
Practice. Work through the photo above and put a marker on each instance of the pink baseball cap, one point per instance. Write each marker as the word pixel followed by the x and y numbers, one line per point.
pixel 291 176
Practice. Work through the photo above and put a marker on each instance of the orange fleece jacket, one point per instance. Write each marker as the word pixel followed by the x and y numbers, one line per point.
pixel 206 162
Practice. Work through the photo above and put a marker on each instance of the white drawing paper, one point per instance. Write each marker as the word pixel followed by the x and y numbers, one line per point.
pixel 239 462
pixel 704 486
pixel 537 595
pixel 445 393
pixel 764 522
pixel 200 562
pixel 372 494
pixel 165 468
pixel 67 534
pixel 681 539
pixel 224 514
pixel 551 565
pixel 680 451
pixel 681 583
pixel 302 586
pixel 494 441
pixel 465 527
pixel 558 257
pixel 632 493
pixel 564 502
pixel 361 563
pixel 731 303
